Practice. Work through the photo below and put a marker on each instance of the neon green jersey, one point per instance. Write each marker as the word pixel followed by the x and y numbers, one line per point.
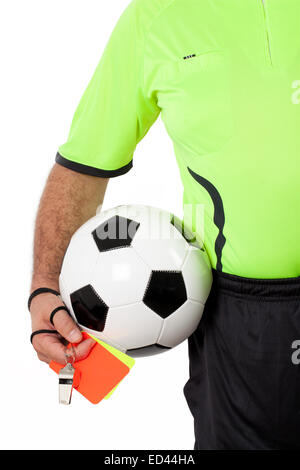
pixel 225 77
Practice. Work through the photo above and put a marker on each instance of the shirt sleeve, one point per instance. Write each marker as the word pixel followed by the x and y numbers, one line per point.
pixel 114 113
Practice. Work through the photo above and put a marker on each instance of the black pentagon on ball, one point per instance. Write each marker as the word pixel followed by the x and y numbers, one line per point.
pixel 89 309
pixel 187 234
pixel 116 232
pixel 165 292
pixel 147 350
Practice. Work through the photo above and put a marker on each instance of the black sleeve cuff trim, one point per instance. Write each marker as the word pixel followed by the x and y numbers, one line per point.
pixel 89 170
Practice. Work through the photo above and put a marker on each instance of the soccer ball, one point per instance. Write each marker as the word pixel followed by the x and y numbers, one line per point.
pixel 136 278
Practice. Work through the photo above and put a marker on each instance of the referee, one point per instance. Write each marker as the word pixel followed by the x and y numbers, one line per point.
pixel 223 75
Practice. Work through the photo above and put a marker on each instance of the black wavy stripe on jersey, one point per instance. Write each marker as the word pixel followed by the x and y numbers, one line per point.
pixel 219 215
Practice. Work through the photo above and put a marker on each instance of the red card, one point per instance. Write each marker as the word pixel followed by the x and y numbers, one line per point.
pixel 96 375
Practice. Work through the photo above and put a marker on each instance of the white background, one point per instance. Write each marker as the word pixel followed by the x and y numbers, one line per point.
pixel 49 51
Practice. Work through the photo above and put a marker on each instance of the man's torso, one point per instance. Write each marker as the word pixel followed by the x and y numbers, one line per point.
pixel 227 78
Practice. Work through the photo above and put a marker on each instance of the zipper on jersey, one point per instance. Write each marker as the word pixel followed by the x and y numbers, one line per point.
pixel 267 31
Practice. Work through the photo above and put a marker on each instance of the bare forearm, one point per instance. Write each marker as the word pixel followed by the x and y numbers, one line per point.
pixel 69 199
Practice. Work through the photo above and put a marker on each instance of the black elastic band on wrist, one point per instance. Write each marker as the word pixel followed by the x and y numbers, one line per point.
pixel 41 290
pixel 38 332
pixel 57 309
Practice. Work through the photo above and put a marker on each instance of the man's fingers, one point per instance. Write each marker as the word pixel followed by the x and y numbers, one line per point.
pixel 66 326
pixel 83 349
pixel 41 310
pixel 51 347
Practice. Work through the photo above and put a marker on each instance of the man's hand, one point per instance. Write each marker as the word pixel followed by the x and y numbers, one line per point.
pixel 50 346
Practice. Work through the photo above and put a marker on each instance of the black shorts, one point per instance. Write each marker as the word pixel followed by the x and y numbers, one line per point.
pixel 244 386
